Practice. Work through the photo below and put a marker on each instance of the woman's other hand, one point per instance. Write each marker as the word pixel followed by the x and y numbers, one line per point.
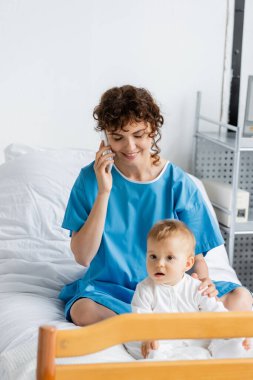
pixel 207 286
pixel 104 176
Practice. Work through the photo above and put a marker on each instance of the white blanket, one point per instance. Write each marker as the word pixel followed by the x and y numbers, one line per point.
pixel 21 315
pixel 192 349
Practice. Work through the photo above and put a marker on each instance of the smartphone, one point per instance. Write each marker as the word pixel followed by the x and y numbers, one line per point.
pixel 104 138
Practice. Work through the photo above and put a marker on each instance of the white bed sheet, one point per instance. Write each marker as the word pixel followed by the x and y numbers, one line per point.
pixel 22 314
pixel 35 257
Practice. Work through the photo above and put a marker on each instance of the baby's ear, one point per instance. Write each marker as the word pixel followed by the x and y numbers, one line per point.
pixel 189 263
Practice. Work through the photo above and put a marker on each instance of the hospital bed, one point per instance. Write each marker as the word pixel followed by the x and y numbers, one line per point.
pixel 36 261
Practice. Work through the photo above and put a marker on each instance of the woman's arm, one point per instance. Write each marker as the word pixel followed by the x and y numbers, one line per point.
pixel 200 270
pixel 200 266
pixel 85 243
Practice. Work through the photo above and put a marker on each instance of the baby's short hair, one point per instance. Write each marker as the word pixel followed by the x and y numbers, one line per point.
pixel 170 227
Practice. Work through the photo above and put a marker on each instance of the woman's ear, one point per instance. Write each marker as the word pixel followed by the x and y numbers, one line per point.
pixel 189 263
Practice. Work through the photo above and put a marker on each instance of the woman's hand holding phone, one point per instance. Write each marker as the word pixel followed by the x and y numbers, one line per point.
pixel 104 138
pixel 103 168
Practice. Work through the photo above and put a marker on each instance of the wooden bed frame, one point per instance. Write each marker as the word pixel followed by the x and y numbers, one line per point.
pixel 55 343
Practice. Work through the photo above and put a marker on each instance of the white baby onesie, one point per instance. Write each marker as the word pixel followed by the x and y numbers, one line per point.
pixel 150 297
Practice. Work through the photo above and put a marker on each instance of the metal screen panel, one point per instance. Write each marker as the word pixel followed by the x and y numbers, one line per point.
pixel 216 162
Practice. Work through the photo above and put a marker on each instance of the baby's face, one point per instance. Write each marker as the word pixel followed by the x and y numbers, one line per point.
pixel 168 260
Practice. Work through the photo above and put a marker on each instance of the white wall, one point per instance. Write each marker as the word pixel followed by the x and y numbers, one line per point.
pixel 58 56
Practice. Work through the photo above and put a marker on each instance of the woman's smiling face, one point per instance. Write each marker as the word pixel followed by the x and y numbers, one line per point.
pixel 131 145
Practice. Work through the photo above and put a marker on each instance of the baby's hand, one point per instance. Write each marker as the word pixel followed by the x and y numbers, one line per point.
pixel 246 343
pixel 147 346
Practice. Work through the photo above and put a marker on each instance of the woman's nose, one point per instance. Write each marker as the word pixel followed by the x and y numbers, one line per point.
pixel 130 143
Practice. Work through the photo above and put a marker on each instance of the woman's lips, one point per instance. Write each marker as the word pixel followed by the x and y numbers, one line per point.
pixel 130 156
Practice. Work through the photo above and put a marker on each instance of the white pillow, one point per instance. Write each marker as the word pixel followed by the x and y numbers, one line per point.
pixel 13 151
pixel 34 190
pixel 35 255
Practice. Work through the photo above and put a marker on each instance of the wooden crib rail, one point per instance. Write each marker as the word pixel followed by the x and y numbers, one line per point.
pixel 65 343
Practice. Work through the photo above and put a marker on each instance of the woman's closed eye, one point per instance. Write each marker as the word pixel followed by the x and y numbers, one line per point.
pixel 118 138
pixel 140 135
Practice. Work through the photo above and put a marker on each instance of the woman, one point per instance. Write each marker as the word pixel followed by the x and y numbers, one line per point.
pixel 110 212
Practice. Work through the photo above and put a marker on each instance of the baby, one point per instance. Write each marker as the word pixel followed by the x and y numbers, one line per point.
pixel 167 289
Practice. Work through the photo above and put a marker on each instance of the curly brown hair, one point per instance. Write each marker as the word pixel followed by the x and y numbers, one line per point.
pixel 120 106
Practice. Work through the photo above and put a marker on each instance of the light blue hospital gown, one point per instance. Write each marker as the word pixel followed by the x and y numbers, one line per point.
pixel 133 208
